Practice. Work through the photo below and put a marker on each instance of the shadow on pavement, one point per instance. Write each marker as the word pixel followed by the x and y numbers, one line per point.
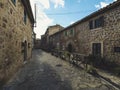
pixel 38 76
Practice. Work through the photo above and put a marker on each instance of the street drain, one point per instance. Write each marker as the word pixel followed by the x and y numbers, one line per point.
pixel 59 65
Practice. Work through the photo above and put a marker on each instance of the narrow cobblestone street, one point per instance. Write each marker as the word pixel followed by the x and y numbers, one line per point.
pixel 46 72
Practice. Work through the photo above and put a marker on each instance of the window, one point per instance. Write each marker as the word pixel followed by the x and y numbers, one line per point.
pixel 117 49
pixel 69 32
pixel 72 32
pixel 25 17
pixel 96 48
pixel 65 33
pixel 91 24
pixel 70 47
pixel 99 22
pixel 14 2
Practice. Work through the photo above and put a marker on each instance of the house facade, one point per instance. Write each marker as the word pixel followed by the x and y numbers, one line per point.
pixel 96 34
pixel 37 44
pixel 45 39
pixel 16 28
pixel 43 43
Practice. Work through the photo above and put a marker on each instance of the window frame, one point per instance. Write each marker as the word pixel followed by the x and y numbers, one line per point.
pixel 91 24
pixel 96 23
pixel 72 32
pixel 66 33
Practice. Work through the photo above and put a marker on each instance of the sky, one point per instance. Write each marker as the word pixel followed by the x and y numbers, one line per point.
pixel 63 12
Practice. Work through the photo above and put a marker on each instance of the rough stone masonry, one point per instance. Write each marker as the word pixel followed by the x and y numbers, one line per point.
pixel 16 27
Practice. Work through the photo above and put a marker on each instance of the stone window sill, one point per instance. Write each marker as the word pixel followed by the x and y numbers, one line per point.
pixel 96 29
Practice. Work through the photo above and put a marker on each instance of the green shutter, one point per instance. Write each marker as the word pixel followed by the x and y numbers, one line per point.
pixel 72 32
pixel 65 33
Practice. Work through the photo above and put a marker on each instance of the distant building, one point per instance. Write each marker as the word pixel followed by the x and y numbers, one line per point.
pixel 45 38
pixel 96 34
pixel 16 28
pixel 43 44
pixel 37 44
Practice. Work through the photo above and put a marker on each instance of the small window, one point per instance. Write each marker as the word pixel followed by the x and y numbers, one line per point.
pixel 25 17
pixel 14 2
pixel 117 49
pixel 99 22
pixel 65 33
pixel 91 25
pixel 72 32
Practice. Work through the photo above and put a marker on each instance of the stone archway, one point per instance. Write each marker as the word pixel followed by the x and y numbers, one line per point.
pixel 70 48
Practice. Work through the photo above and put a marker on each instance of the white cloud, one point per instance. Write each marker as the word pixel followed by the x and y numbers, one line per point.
pixel 45 3
pixel 97 6
pixel 43 21
pixel 104 4
pixel 101 5
pixel 72 22
pixel 58 3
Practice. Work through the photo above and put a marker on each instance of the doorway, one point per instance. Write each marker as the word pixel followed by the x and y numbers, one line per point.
pixel 96 48
pixel 70 48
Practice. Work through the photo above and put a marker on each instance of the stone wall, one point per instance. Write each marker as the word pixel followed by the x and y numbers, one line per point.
pixel 108 35
pixel 83 38
pixel 13 32
pixel 45 39
pixel 54 29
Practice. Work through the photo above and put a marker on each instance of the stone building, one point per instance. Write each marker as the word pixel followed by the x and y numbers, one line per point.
pixel 37 43
pixel 45 38
pixel 43 42
pixel 16 28
pixel 96 34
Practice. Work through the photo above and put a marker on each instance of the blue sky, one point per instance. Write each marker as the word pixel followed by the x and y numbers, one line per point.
pixel 63 12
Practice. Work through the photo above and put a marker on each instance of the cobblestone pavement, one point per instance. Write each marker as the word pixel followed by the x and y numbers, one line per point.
pixel 46 72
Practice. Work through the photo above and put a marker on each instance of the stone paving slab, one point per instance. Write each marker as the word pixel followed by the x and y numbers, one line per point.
pixel 46 72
